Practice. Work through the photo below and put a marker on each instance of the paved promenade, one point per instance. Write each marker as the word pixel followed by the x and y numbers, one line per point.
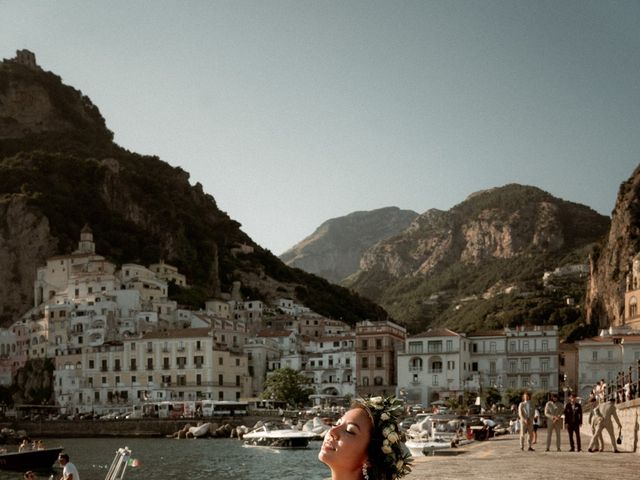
pixel 501 458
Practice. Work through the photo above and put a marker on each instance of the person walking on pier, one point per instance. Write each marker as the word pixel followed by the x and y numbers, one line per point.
pixel 525 413
pixel 603 414
pixel 573 420
pixel 553 412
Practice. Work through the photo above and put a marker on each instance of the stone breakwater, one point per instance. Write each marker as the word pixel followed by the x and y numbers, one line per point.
pixel 117 428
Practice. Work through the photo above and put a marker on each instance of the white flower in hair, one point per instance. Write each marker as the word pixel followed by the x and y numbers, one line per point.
pixel 393 437
pixel 385 416
pixel 387 449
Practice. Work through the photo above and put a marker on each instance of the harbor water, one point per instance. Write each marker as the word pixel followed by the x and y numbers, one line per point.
pixel 193 459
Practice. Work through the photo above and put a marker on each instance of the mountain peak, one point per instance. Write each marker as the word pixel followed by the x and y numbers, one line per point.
pixel 37 105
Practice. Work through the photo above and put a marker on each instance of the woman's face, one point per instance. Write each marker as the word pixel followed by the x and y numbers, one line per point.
pixel 344 448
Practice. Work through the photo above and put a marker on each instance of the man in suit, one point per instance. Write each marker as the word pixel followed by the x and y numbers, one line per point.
pixel 604 413
pixel 553 412
pixel 525 413
pixel 573 421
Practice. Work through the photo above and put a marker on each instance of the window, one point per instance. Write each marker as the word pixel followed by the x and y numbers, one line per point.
pixel 474 366
pixel 474 347
pixel 492 347
pixel 492 367
pixel 609 355
pixel 449 345
pixel 434 346
pixel 513 366
pixel 633 307
pixel 415 347
pixel 594 356
pixel 544 364
pixel 220 361
pixel 365 381
pixel 544 382
pixel 364 344
pixel 220 379
pixel 91 364
pixel 451 365
pixel 378 362
pixel 525 345
pixel 525 363
pixel 378 344
pixel 436 366
pixel 434 380
pixel 415 364
pixel 378 381
pixel 365 362
pixel 545 345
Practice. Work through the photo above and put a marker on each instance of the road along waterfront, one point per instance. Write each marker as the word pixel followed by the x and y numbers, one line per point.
pixel 501 458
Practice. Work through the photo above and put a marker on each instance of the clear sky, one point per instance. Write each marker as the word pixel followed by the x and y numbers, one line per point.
pixel 293 112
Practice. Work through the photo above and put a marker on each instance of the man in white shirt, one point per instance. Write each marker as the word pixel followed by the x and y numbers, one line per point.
pixel 69 470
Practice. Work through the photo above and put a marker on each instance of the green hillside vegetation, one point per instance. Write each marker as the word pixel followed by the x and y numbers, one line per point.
pixel 143 210
pixel 467 297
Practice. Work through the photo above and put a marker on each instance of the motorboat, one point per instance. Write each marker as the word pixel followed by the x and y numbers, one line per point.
pixel 43 459
pixel 317 426
pixel 437 432
pixel 274 436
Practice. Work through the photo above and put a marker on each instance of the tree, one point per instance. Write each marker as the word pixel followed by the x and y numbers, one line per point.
pixel 492 396
pixel 287 385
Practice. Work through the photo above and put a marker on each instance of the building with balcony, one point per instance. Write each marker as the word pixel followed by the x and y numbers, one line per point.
pixel 532 358
pixel 377 344
pixel 604 356
pixel 433 366
pixel 330 365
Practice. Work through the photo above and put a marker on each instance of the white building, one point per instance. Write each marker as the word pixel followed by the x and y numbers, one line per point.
pixel 604 356
pixel 433 366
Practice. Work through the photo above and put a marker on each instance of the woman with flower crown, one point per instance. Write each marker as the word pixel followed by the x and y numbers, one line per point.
pixel 366 443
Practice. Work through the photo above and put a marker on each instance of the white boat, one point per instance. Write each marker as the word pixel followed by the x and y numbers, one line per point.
pixel 437 432
pixel 200 430
pixel 269 435
pixel 316 426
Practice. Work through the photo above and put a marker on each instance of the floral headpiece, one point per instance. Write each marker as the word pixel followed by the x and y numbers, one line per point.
pixel 389 458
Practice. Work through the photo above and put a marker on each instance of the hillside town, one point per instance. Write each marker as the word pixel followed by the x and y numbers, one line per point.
pixel 117 341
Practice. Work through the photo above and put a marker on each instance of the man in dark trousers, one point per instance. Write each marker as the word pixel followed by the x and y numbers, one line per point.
pixel 573 420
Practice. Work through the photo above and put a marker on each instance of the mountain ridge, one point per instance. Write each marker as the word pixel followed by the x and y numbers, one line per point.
pixel 334 249
pixel 60 170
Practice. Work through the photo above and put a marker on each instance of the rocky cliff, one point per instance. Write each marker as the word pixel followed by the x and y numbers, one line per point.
pixel 60 170
pixel 501 239
pixel 611 263
pixel 334 250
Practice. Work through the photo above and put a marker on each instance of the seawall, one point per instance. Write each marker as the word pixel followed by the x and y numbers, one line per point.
pixel 116 428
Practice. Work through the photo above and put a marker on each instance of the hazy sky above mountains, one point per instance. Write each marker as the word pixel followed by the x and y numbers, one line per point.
pixel 293 112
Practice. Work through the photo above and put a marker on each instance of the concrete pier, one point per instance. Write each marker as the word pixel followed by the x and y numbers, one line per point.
pixel 501 458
